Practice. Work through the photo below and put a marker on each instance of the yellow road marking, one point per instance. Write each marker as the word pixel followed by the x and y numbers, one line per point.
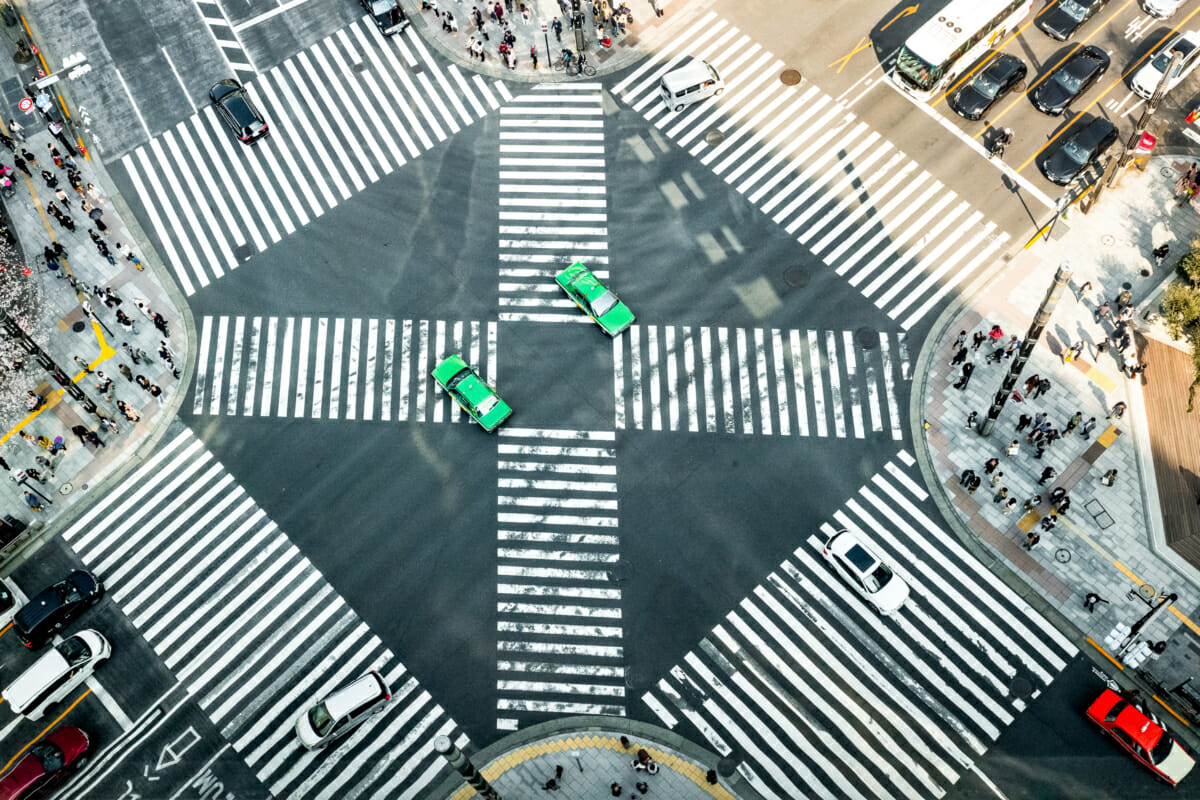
pixel 863 44
pixel 45 730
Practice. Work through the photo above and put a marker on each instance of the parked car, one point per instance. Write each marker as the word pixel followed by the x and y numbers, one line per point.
pixel 59 670
pixel 1146 79
pixel 237 112
pixel 1142 735
pixel 874 580
pixel 1081 149
pixel 595 299
pixel 471 392
pixel 991 83
pixel 343 711
pixel 1061 20
pixel 46 764
pixel 1069 80
pixel 49 611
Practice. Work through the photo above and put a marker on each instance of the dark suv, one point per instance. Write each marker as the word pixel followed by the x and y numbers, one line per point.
pixel 237 112
pixel 51 609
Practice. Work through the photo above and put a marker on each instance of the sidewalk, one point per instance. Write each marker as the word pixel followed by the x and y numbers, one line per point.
pixel 592 757
pixel 1110 542
pixel 58 323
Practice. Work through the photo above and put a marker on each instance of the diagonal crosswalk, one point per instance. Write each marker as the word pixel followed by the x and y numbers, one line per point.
pixel 759 381
pixel 334 368
pixel 815 695
pixel 896 233
pixel 560 632
pixel 553 198
pixel 213 203
pixel 252 629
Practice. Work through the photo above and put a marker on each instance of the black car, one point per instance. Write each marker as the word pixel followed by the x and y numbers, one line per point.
pixel 51 609
pixel 1079 150
pixel 388 16
pixel 1069 80
pixel 237 112
pixel 974 99
pixel 1064 17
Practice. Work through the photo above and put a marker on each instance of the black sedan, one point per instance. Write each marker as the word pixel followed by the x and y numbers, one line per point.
pixel 48 611
pixel 1002 73
pixel 1079 150
pixel 237 112
pixel 1069 80
pixel 388 16
pixel 1064 17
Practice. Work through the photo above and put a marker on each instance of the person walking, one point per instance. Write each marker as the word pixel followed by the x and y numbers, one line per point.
pixel 1031 384
pixel 1074 421
pixel 1010 506
pixel 978 338
pixel 1088 427
pixel 1117 411
pixel 974 415
pixel 960 340
pixel 999 476
pixel 1109 478
pixel 16 129
pixel 1160 254
pixel 990 465
pixel 959 357
pixel 20 164
pixel 967 369
pixel 966 476
pixel 1033 502
pixel 1043 387
pixel 995 356
pixel 1050 521
pixel 33 502
pixel 1023 422
pixel 1047 474
pixel 104 386
pixel 973 484
pixel 1001 495
pixel 1013 448
pixel 1031 540
pixel 996 333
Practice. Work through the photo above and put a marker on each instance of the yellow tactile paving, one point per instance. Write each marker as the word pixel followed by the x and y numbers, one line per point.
pixel 677 764
pixel 1097 377
pixel 1108 437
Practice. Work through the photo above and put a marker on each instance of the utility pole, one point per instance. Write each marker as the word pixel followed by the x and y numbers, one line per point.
pixel 1139 130
pixel 1040 320
pixel 460 762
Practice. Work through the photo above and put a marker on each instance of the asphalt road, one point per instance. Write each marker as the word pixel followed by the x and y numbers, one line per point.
pixel 719 486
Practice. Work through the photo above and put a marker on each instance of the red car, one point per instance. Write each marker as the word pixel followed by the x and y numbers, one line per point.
pixel 1142 734
pixel 46 763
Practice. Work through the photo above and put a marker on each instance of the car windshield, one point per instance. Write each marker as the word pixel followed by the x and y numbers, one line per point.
pixel 1162 749
pixel 1076 153
pixel 604 303
pixel 879 577
pixel 75 651
pixel 68 592
pixel 382 6
pixel 458 378
pixel 50 756
pixel 318 717
pixel 984 85
pixel 1068 81
pixel 916 70
pixel 7 600
pixel 1073 10
pixel 487 405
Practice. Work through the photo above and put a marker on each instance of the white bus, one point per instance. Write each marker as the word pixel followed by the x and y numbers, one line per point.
pixel 951 41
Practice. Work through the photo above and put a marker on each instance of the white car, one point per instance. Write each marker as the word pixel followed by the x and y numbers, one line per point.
pixel 343 711
pixel 53 676
pixel 1146 79
pixel 878 584
pixel 11 601
pixel 1161 8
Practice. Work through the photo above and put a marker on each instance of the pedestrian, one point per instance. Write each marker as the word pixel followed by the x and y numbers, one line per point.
pixel 1043 386
pixel 1074 421
pixel 33 502
pixel 1011 348
pixel 143 382
pixel 1023 422
pixel 616 787
pixel 1088 427
pixel 995 334
pixel 642 787
pixel 105 386
pixel 1001 495
pixel 965 477
pixel 995 356
pixel 967 369
pixel 960 340
pixel 34 401
pixel 1109 478
pixel 1085 291
pixel 658 12
pixel 1063 506
pixel 126 372
pixel 1047 474
pixel 128 411
pixel 157 393
pixel 1013 448
pixel 978 338
pixel 87 370
pixel 557 25
pixel 1057 494
pixel 1103 311
pixel 999 476
pixel 94 194
pixel 16 129
pixel 1031 384
pixel 1033 502
pixel 20 164
pixel 1160 254
pixel 990 465
pixel 1031 540
pixel 959 357
pixel 1010 506
pixel 55 156
pixel 974 415
pixel 533 55
pixel 1050 521
pixel 973 484
pixel 1117 411
pixel 551 784
pixel 28 156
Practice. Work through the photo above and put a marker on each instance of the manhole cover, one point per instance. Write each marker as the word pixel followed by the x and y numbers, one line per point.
pixel 79 326
pixel 790 77
pixel 1021 687
pixel 867 338
pixel 360 67
pixel 66 488
pixel 1146 591
pixel 1062 555
pixel 1127 285
pixel 243 252
pixel 796 277
pixel 727 766
pixel 714 137
pixel 418 69
pixel 1108 240
pixel 1167 172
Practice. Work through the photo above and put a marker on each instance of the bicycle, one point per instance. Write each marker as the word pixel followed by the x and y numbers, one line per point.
pixel 572 65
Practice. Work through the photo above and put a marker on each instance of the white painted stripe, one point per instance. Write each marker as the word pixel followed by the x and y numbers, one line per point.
pixel 268 381
pixel 252 367
pixel 298 409
pixel 856 412
pixel 744 383
pixel 235 366
pixel 206 330
pixel 214 400
pixel 318 386
pixel 761 382
pixel 335 368
pixel 285 368
pixel 796 360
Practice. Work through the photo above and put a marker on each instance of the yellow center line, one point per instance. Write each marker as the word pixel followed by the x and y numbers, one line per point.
pixel 45 730
pixel 1111 86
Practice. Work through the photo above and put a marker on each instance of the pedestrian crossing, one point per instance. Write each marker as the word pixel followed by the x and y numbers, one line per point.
pixel 815 695
pixel 559 625
pixel 252 629
pixel 343 113
pixel 895 232
pixel 553 198
pixel 334 368
pixel 759 381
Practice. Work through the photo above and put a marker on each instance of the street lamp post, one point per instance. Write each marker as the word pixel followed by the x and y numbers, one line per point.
pixel 1040 320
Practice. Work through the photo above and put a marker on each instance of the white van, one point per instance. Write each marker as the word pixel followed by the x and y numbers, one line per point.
pixel 53 676
pixel 343 711
pixel 691 83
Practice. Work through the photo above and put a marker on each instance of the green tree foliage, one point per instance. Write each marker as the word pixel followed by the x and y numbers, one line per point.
pixel 1181 313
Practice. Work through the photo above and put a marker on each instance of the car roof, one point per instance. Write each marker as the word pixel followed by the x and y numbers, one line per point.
pixel 1004 65
pixel 223 87
pixel 1095 131
pixel 852 549
pixel 349 697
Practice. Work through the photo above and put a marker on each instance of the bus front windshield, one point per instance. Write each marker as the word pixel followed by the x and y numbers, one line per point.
pixel 917 71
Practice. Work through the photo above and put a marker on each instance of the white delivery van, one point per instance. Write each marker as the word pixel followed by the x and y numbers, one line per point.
pixel 691 83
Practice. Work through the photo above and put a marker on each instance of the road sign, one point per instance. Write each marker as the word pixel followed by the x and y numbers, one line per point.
pixel 26 104
pixel 1146 143
pixel 43 101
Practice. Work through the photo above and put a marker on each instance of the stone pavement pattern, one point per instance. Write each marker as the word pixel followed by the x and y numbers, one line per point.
pixel 1107 543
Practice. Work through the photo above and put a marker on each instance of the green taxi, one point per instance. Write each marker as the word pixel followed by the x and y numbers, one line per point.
pixel 595 299
pixel 471 392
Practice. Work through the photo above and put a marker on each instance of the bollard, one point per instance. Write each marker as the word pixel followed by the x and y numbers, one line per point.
pixel 460 762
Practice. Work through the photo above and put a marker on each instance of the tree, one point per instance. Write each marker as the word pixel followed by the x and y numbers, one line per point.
pixel 1181 314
